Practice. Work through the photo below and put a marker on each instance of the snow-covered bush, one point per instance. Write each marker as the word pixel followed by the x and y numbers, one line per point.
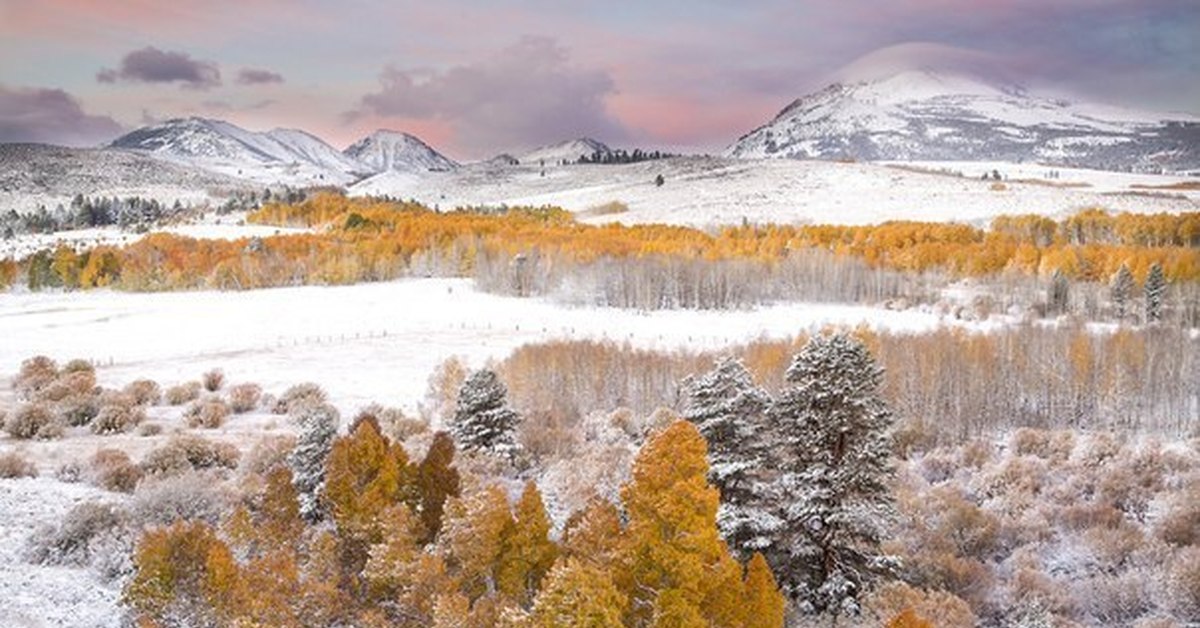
pixel 244 397
pixel 209 413
pixel 299 396
pixel 112 470
pixel 144 392
pixel 150 429
pixel 34 420
pixel 13 464
pixel 117 416
pixel 69 472
pixel 36 373
pixel 267 454
pixel 185 452
pixel 1180 525
pixel 194 495
pixel 182 393
pixel 213 380
pixel 78 409
pixel 71 542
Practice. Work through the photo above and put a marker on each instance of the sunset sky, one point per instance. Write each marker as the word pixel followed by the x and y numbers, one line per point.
pixel 477 77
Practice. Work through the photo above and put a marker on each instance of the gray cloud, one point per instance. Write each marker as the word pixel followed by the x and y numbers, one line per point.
pixel 151 65
pixel 252 76
pixel 525 95
pixel 50 116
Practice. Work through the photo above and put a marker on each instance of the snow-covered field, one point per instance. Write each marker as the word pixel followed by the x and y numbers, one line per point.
pixel 704 191
pixel 363 343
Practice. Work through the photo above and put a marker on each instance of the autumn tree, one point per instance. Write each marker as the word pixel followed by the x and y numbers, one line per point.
pixel 834 430
pixel 527 553
pixel 673 566
pixel 578 594
pixel 764 603
pixel 437 480
pixel 472 538
pixel 730 412
pixel 185 576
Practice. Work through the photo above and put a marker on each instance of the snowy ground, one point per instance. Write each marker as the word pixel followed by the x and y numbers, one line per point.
pixel 363 343
pixel 33 596
pixel 703 191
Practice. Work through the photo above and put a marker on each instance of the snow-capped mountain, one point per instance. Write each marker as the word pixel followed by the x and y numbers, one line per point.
pixel 924 114
pixel 384 150
pixel 568 151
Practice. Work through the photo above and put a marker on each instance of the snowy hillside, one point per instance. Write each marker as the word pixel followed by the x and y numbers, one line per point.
pixel 704 191
pixel 384 151
pixel 569 151
pixel 278 156
pixel 927 114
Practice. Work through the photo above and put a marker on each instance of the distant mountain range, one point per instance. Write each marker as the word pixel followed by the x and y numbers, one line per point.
pixel 927 115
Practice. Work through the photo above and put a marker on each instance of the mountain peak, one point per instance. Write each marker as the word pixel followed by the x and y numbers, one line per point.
pixel 566 150
pixel 386 149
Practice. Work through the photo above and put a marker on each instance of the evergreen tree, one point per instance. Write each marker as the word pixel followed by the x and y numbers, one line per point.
pixel 1121 289
pixel 1059 295
pixel 318 427
pixel 528 553
pixel 437 480
pixel 1156 287
pixel 482 419
pixel 834 432
pixel 730 412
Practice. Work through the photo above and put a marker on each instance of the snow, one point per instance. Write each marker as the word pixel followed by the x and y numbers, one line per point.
pixel 701 191
pixel 33 596
pixel 363 343
pixel 570 150
pixel 387 151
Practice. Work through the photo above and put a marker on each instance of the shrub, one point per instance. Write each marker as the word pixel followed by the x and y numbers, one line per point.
pixel 208 413
pixel 118 417
pixel 299 396
pixel 69 472
pixel 15 465
pixel 79 409
pixel 67 384
pixel 70 543
pixel 213 380
pixel 78 366
pixel 182 393
pixel 144 392
pixel 893 598
pixel 33 420
pixel 1183 584
pixel 244 397
pixel 190 496
pixel 267 454
pixel 188 451
pixel 112 470
pixel 36 373
pixel 150 429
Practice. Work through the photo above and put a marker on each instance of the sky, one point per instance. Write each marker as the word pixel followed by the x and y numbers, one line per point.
pixel 478 77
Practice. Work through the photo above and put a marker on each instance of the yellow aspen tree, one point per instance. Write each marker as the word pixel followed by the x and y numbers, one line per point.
pixel 528 553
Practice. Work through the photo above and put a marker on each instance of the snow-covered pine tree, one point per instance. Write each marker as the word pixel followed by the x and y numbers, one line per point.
pixel 318 428
pixel 833 428
pixel 730 412
pixel 1156 287
pixel 482 419
pixel 1121 289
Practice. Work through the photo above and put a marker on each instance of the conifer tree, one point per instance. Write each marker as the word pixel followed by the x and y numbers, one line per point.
pixel 437 480
pixel 764 602
pixel 834 430
pixel 318 427
pixel 1120 288
pixel 482 419
pixel 528 553
pixel 1156 287
pixel 730 412
pixel 578 594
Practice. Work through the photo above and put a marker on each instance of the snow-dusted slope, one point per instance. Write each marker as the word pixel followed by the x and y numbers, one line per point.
pixel 569 151
pixel 926 114
pixel 384 151
pixel 278 156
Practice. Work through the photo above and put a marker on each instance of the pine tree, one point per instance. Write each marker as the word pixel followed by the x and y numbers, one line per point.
pixel 1121 289
pixel 482 419
pixel 318 427
pixel 1156 287
pixel 730 412
pixel 834 432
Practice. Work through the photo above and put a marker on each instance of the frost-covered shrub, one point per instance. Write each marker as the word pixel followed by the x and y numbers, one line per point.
pixel 69 472
pixel 208 413
pixel 78 382
pixel 213 380
pixel 34 420
pixel 244 397
pixel 78 366
pixel 1183 585
pixel 1181 524
pixel 393 423
pixel 118 416
pixel 150 429
pixel 144 392
pixel 890 599
pixel 79 409
pixel 70 543
pixel 1053 446
pixel 192 496
pixel 189 451
pixel 112 470
pixel 1113 599
pixel 182 393
pixel 298 397
pixel 268 453
pixel 36 373
pixel 15 465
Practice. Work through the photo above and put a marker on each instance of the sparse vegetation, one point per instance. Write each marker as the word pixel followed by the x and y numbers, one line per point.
pixel 14 464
